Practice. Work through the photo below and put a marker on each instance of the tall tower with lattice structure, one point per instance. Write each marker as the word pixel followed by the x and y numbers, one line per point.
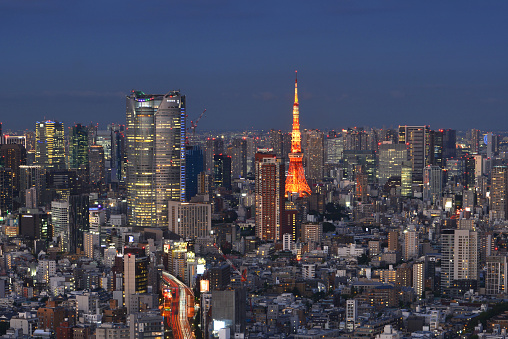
pixel 295 180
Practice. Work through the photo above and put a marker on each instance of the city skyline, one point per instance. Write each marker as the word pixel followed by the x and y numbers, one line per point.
pixel 360 64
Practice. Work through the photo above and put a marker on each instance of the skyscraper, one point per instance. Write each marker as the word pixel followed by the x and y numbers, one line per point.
pixel 391 158
pixel 222 171
pixel 295 181
pixel 78 147
pixel 13 156
pixel 32 177
pixel 60 222
pixel 499 193
pixel 194 164
pixel 50 145
pixel 313 144
pixel 239 158
pixel 155 155
pixel 432 183
pixel 269 196
pixel 97 165
pixel 418 144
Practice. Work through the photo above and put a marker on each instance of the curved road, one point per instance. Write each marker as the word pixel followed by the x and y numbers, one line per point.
pixel 177 316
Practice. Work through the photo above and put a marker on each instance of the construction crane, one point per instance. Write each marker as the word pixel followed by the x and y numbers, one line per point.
pixel 194 124
pixel 243 276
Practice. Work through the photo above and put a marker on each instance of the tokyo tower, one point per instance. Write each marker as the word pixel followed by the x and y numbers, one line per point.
pixel 295 180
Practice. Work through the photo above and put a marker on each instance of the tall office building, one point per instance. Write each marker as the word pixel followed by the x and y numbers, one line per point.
pixel 190 220
pixel 155 154
pixel 355 139
pixel 214 146
pixel 474 141
pixel 97 166
pixel 14 139
pixel 32 177
pixel 78 147
pixel 432 183
pixel 459 261
pixel 418 143
pixel 78 222
pixel 222 171
pixel 391 158
pixel 334 147
pixel 499 193
pixel 270 203
pixel 50 145
pixel 13 156
pixel 365 158
pixel 5 190
pixel 194 164
pixel 313 145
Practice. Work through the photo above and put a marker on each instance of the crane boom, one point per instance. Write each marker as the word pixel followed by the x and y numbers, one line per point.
pixel 243 278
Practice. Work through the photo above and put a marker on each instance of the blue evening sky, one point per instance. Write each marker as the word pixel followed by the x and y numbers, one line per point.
pixel 360 63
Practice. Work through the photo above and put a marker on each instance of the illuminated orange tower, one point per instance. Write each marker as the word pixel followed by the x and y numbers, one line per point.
pixel 295 180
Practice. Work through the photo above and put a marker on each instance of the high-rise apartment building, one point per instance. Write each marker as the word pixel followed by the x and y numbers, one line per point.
pixel 499 193
pixel 419 278
pixel 393 240
pixel 238 158
pixel 496 278
pixel 156 155
pixel 50 145
pixel 270 178
pixel 418 143
pixel 459 261
pixel 313 144
pixel 391 158
pixel 135 275
pixel 411 243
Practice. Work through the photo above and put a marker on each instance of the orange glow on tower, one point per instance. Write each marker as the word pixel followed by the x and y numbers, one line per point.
pixel 295 180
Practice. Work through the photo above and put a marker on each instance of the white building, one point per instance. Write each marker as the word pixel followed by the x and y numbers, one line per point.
pixel 351 313
pixel 309 271
pixel 45 270
pixel 60 221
